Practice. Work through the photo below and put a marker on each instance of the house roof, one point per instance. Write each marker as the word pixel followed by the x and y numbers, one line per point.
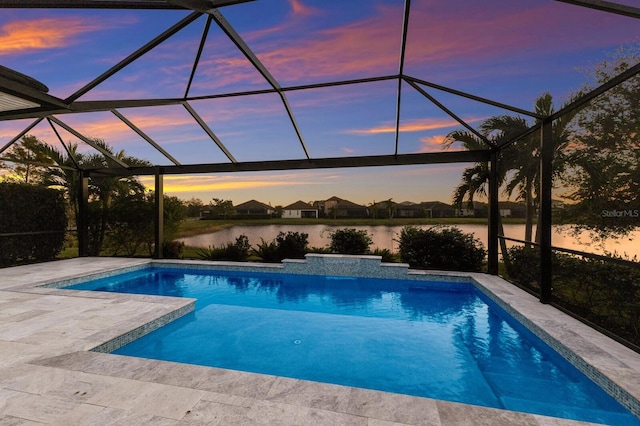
pixel 253 205
pixel 435 205
pixel 299 205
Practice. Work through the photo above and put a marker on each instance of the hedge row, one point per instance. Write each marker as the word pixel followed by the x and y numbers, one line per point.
pixel 603 292
pixel 38 215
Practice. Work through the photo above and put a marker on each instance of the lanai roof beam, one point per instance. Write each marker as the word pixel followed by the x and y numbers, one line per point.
pixel 135 55
pixel 144 136
pixel 403 45
pixel 607 6
pixel 248 53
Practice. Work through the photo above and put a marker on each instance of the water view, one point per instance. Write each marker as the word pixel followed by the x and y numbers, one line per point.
pixel 385 237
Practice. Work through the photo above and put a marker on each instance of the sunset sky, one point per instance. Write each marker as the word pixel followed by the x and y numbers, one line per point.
pixel 511 51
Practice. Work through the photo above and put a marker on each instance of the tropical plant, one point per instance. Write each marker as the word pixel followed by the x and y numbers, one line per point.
pixel 387 255
pixel 374 210
pixel 518 164
pixel 391 208
pixel 267 251
pixel 102 190
pixel 475 179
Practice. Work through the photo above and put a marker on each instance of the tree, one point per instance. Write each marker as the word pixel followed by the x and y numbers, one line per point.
pixel 62 171
pixel 30 159
pixel 194 207
pixel 374 210
pixel 603 160
pixel 520 162
pixel 220 208
pixel 103 190
pixel 475 179
pixel 522 158
pixel 391 208
pixel 129 229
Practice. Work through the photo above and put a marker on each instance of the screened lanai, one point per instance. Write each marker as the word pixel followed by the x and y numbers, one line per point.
pixel 207 87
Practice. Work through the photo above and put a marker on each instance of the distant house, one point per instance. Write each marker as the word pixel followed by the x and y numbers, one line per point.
pixel 511 209
pixel 404 209
pixel 430 209
pixel 386 209
pixel 478 209
pixel 253 207
pixel 437 209
pixel 337 207
pixel 300 210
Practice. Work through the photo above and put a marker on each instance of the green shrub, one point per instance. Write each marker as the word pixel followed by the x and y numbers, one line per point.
pixel 604 292
pixel 437 247
pixel 524 266
pixel 129 223
pixel 39 214
pixel 237 252
pixel 292 245
pixel 350 241
pixel 172 249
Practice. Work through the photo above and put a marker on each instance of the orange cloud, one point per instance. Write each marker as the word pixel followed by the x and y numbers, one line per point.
pixel 301 9
pixel 47 33
pixel 410 126
pixel 431 143
pixel 188 184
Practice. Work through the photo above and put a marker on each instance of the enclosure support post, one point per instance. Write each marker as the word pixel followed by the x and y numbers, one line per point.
pixel 494 214
pixel 82 222
pixel 545 219
pixel 159 214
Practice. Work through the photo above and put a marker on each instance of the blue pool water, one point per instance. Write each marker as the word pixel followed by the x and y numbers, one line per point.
pixel 438 340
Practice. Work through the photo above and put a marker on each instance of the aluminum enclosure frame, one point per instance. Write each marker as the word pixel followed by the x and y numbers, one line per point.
pixel 51 108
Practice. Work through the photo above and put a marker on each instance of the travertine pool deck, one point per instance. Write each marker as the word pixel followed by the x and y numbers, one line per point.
pixel 48 375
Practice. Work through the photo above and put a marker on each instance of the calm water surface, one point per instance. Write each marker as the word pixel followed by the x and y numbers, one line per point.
pixel 387 236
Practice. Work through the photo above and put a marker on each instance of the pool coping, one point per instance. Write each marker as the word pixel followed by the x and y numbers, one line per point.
pixel 612 365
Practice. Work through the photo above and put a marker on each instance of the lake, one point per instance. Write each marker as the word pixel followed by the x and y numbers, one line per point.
pixel 385 237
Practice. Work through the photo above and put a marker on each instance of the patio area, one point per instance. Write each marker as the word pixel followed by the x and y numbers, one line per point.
pixel 49 375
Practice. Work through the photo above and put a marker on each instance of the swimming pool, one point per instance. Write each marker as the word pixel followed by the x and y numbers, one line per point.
pixel 434 339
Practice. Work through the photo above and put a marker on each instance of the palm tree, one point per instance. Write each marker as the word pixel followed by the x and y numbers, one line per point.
pixel 519 163
pixel 102 190
pixel 475 179
pixel 523 156
pixel 390 207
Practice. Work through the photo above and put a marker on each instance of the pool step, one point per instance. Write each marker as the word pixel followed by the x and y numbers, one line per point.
pixel 543 390
pixel 501 365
